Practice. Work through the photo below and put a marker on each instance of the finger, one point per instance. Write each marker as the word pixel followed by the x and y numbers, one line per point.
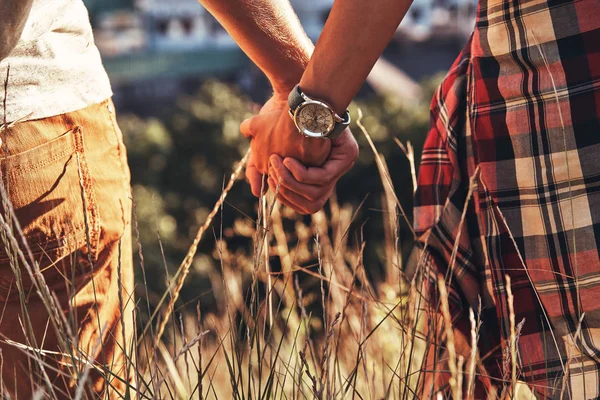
pixel 284 176
pixel 246 127
pixel 341 159
pixel 298 207
pixel 320 176
pixel 256 159
pixel 276 189
pixel 285 202
pixel 333 169
pixel 272 184
pixel 300 203
pixel 254 178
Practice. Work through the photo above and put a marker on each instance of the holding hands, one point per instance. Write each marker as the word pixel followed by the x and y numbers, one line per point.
pixel 306 189
pixel 302 171
pixel 273 132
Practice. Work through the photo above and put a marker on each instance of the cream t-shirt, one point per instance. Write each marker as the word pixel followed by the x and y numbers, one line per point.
pixel 55 67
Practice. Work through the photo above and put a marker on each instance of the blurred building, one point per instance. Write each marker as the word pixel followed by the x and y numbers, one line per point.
pixel 150 47
pixel 427 19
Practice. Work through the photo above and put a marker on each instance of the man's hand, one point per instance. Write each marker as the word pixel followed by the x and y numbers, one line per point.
pixel 273 132
pixel 306 189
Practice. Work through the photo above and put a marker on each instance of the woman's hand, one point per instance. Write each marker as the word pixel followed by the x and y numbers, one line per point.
pixel 306 189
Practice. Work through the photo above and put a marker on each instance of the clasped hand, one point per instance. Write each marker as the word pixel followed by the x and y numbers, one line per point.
pixel 302 171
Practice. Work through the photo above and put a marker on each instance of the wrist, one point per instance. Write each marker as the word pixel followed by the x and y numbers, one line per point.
pixel 319 82
pixel 282 89
pixel 292 70
pixel 286 82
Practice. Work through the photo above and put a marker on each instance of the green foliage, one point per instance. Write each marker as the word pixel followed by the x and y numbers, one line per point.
pixel 180 163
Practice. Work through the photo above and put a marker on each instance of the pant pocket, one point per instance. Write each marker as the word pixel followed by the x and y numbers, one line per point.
pixel 51 212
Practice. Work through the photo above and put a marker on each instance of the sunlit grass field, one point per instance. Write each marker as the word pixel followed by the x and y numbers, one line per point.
pixel 297 315
pixel 317 327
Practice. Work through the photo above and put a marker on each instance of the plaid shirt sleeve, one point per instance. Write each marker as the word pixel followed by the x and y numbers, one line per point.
pixel 520 111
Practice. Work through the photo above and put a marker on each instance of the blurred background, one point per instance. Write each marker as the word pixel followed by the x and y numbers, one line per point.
pixel 182 86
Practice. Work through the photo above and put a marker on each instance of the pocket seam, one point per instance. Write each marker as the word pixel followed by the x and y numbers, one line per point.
pixel 20 170
pixel 75 238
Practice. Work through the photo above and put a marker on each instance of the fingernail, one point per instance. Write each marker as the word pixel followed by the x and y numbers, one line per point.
pixel 274 161
pixel 287 163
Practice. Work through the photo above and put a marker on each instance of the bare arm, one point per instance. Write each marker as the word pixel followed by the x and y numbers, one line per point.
pixel 354 37
pixel 14 15
pixel 269 32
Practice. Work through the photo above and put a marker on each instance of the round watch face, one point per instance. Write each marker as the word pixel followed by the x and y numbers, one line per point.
pixel 314 119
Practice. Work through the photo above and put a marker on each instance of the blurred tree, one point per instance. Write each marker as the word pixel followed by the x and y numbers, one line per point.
pixel 179 165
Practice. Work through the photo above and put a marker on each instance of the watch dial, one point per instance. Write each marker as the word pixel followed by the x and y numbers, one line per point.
pixel 315 118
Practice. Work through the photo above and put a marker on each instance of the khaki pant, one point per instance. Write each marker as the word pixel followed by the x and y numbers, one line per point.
pixel 68 182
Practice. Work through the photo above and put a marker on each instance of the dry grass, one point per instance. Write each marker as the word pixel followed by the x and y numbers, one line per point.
pixel 317 327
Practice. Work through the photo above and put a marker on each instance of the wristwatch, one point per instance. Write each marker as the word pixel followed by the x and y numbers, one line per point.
pixel 315 118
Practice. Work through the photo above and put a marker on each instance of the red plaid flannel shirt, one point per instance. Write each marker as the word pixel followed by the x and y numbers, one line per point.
pixel 521 105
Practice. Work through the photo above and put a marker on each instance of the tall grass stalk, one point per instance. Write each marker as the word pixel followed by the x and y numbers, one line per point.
pixel 298 316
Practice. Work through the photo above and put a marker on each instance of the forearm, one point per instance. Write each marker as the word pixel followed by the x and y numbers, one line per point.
pixel 354 37
pixel 14 14
pixel 269 32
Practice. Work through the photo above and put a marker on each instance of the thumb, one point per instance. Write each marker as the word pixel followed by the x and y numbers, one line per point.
pixel 248 126
pixel 254 177
pixel 297 169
